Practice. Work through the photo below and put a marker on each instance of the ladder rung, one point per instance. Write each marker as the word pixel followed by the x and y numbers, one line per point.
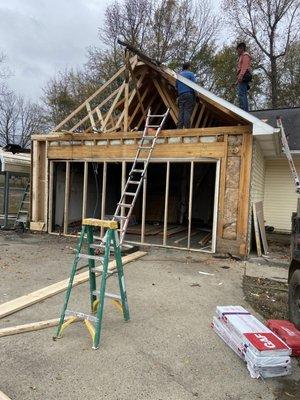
pixel 137 170
pixel 148 137
pixel 124 205
pixel 145 147
pixel 157 116
pixel 100 246
pixel 25 202
pixel 129 194
pixel 134 182
pixel 23 211
pixel 81 315
pixel 119 217
pixel 90 256
pixel 153 126
pixel 108 295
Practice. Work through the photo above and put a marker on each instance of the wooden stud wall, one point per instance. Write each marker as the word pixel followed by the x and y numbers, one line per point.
pixel 233 149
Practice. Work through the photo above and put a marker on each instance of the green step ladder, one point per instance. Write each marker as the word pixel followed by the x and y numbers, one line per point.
pixel 93 322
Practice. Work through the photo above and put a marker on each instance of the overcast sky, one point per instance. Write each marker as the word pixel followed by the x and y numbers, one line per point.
pixel 41 37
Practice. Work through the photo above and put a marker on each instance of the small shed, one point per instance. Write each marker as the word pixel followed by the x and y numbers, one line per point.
pixel 12 166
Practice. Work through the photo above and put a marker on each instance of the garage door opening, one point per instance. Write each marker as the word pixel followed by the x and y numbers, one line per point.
pixel 177 206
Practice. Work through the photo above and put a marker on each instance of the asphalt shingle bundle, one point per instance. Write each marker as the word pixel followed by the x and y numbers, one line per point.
pixel 265 354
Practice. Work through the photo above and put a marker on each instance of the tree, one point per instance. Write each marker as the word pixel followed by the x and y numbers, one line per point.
pixel 271 27
pixel 65 92
pixel 19 119
pixel 170 31
pixel 290 77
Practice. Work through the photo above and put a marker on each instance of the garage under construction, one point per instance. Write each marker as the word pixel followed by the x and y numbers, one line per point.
pixel 196 192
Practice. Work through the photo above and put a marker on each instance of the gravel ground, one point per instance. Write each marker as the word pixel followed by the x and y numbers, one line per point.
pixel 167 351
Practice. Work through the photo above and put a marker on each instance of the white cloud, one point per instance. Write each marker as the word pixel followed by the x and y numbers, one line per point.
pixel 41 37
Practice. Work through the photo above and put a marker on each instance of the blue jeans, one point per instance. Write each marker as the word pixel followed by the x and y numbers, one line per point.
pixel 243 98
pixel 186 102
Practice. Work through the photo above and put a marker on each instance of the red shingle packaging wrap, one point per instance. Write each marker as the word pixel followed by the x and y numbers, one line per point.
pixel 287 332
pixel 265 354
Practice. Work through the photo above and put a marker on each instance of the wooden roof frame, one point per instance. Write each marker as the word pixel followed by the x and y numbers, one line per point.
pixel 121 103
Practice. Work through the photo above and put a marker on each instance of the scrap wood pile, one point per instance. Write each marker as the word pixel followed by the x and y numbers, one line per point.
pixel 264 352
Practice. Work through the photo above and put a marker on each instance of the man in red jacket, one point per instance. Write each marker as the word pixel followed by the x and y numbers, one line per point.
pixel 243 75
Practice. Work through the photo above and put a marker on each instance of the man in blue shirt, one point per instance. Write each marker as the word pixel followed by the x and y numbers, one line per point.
pixel 186 97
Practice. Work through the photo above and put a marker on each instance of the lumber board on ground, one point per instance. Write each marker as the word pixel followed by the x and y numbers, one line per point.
pixel 193 233
pixel 33 326
pixel 256 232
pixel 27 300
pixel 173 230
pixel 205 239
pixel 261 224
pixel 3 396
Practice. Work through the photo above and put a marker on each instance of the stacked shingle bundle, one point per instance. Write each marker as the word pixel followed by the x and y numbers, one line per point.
pixel 265 353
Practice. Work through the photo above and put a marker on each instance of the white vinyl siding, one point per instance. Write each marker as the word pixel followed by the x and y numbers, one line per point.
pixel 280 199
pixel 258 174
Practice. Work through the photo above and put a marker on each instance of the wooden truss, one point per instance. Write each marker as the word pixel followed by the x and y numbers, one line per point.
pixel 121 103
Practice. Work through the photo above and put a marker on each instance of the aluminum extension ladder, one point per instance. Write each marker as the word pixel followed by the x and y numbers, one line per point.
pixel 97 296
pixel 23 212
pixel 288 154
pixel 137 173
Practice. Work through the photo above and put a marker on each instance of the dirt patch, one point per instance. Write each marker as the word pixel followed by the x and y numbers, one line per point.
pixel 289 389
pixel 268 297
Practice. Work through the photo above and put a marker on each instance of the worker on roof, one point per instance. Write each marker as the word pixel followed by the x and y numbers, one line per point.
pixel 186 97
pixel 244 75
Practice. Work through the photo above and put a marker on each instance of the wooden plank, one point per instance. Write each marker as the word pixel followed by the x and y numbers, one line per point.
pixel 144 200
pixel 256 232
pixel 207 131
pixel 166 203
pixel 84 189
pixel 100 222
pixel 51 190
pixel 79 108
pixel 173 230
pixel 164 151
pixel 261 224
pixel 103 197
pixel 90 114
pixel 37 226
pixel 123 183
pixel 3 396
pixel 244 191
pixel 222 190
pixel 194 233
pixel 165 100
pixel 190 205
pixel 46 185
pixel 200 116
pixel 97 109
pixel 205 239
pixel 32 298
pixel 113 106
pixel 137 108
pixel 67 197
pixel 33 326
